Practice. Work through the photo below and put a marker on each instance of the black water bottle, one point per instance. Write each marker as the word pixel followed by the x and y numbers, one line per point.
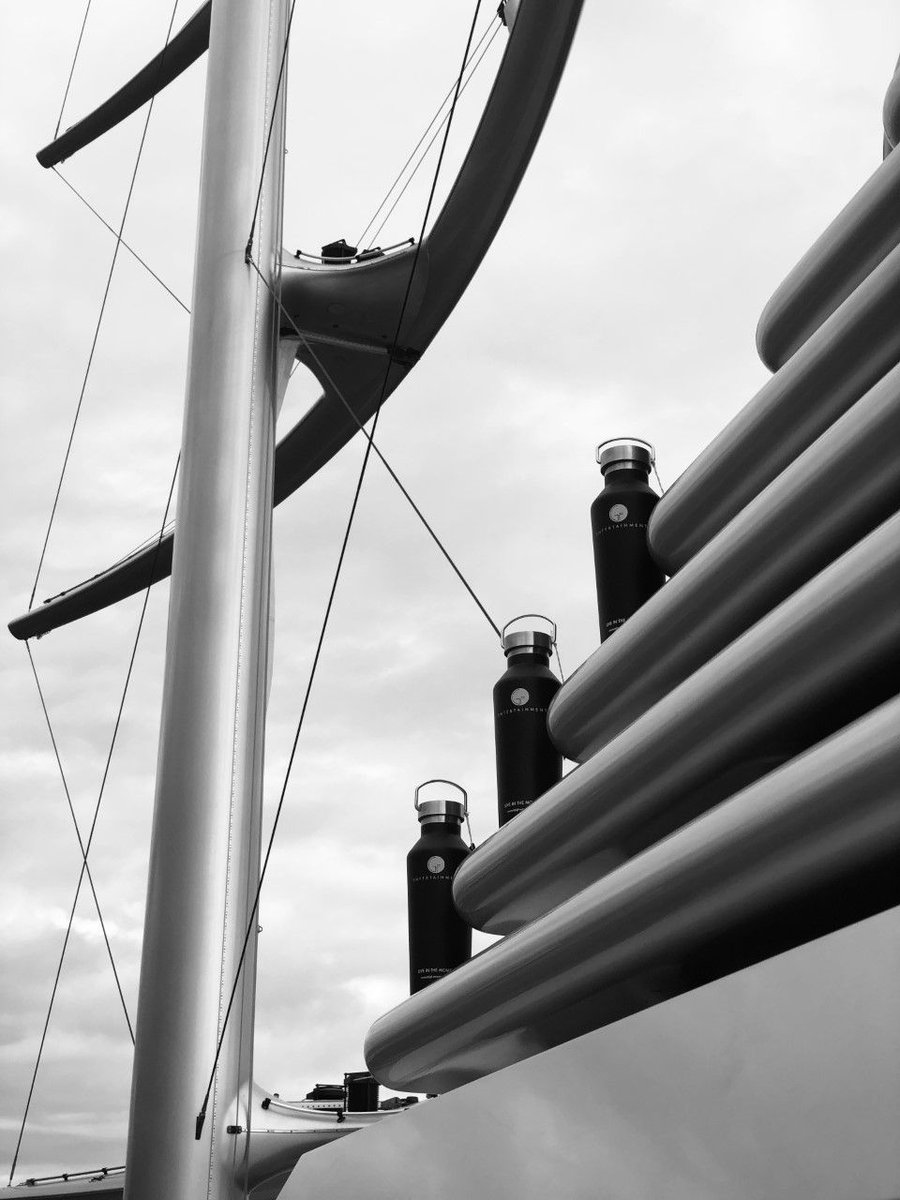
pixel 360 1092
pixel 626 574
pixel 527 761
pixel 439 939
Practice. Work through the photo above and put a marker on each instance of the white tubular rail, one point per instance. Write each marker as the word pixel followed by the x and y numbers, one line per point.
pixel 856 241
pixel 839 490
pixel 822 833
pixel 845 357
pixel 828 653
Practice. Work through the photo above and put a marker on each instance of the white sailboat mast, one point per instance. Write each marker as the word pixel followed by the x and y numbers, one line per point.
pixel 204 861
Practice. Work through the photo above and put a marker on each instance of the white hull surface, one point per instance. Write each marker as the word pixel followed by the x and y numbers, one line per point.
pixel 780 1081
pixel 282 1132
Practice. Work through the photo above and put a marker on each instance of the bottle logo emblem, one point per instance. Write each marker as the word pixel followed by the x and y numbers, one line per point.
pixel 435 864
pixel 519 697
pixel 618 512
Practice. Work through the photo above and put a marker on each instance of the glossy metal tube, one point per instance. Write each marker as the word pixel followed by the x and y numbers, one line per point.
pixel 855 242
pixel 835 493
pixel 784 684
pixel 845 357
pixel 891 111
pixel 627 941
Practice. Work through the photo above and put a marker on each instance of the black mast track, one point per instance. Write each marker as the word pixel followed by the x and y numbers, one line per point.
pixel 191 41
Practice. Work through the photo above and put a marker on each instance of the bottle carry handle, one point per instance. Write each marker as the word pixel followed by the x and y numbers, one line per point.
pixel 522 617
pixel 449 783
pixel 640 442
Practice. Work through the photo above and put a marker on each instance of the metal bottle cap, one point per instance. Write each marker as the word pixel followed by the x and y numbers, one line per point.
pixel 625 452
pixel 528 639
pixel 444 808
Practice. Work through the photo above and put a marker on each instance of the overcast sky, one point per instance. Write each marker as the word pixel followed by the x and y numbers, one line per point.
pixel 694 152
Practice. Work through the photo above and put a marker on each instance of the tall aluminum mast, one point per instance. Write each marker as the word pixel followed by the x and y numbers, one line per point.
pixel 204 861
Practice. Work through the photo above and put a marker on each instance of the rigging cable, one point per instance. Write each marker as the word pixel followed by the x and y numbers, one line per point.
pixel 201 1116
pixel 370 446
pixel 86 847
pixel 387 466
pixel 424 155
pixel 109 278
pixel 125 246
pixel 409 283
pixel 275 110
pixel 412 153
pixel 62 107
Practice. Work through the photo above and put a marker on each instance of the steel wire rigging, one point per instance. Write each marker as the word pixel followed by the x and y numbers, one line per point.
pixel 387 466
pixel 103 303
pixel 496 25
pixel 275 110
pixel 125 246
pixel 62 107
pixel 85 846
